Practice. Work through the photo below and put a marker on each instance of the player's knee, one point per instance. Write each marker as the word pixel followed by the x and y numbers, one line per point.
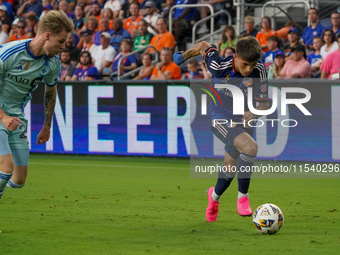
pixel 7 167
pixel 251 149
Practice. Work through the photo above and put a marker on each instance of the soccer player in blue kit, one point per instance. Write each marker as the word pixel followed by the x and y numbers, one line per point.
pixel 242 69
pixel 23 64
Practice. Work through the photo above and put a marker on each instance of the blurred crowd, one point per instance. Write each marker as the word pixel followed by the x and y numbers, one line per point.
pixel 106 32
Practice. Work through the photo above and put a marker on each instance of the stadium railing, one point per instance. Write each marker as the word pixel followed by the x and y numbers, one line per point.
pixel 283 2
pixel 211 32
pixel 194 6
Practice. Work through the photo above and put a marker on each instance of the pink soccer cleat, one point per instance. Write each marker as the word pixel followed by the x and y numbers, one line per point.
pixel 243 206
pixel 212 209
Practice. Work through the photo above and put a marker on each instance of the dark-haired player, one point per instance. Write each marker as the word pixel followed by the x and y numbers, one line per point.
pixel 243 70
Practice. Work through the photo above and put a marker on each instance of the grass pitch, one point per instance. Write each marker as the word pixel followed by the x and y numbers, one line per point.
pixel 130 205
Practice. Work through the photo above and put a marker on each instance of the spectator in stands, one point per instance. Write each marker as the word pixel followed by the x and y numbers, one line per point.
pixel 143 38
pixel 104 27
pixel 131 23
pixel 228 39
pixel 31 21
pixel 206 73
pixel 30 7
pixel 124 9
pixel 151 17
pixel 87 71
pixel 14 27
pixel 192 73
pixel 67 69
pixel 48 7
pixel 103 55
pixel 64 6
pixel 335 20
pixel 272 43
pixel 283 32
pixel 297 67
pixel 330 43
pixel 9 9
pixel 146 71
pixel 3 35
pixel 74 50
pixel 331 64
pixel 217 5
pixel 276 68
pixel 108 13
pixel 249 26
pixel 293 39
pixel 266 31
pixel 114 6
pixel 166 10
pixel 183 18
pixel 5 19
pixel 315 29
pixel 95 11
pixel 118 34
pixel 164 38
pixel 128 63
pixel 226 52
pixel 20 32
pixel 91 23
pixel 79 19
pixel 314 58
pixel 166 69
pixel 158 6
pixel 87 36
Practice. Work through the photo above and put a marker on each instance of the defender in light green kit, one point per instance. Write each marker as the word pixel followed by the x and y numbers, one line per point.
pixel 23 64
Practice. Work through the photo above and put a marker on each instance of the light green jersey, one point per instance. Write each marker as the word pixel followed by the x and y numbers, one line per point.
pixel 20 74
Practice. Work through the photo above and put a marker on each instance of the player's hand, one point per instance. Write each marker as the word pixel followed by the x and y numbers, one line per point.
pixel 11 123
pixel 248 117
pixel 178 58
pixel 44 135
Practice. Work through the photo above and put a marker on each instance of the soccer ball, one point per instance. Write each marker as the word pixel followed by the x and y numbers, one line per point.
pixel 268 219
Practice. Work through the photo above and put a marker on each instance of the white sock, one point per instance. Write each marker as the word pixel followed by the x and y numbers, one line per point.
pixel 240 195
pixel 12 184
pixel 4 178
pixel 215 197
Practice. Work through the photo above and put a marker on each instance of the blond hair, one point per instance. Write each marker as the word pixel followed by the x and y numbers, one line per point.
pixel 55 22
pixel 249 18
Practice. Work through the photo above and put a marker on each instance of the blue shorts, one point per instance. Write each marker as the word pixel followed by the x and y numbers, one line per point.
pixel 228 134
pixel 15 143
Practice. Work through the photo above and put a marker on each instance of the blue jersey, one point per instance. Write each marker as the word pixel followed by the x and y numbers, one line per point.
pixel 337 31
pixel 223 71
pixel 193 11
pixel 309 33
pixel 90 71
pixel 268 59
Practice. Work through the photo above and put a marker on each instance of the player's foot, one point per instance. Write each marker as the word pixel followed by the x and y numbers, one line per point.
pixel 243 206
pixel 212 209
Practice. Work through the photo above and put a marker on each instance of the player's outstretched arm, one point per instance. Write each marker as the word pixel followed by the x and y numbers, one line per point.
pixel 197 49
pixel 49 103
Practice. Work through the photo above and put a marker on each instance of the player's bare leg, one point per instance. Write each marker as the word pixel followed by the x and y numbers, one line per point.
pixel 19 176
